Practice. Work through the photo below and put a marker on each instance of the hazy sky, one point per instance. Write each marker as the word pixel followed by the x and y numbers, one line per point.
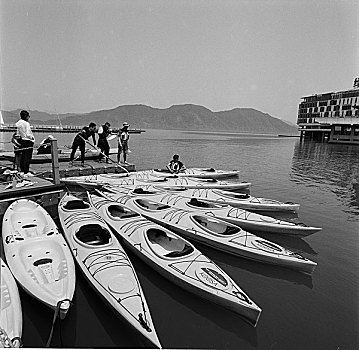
pixel 86 55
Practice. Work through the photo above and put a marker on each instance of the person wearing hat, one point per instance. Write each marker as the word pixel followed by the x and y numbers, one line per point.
pixel 45 145
pixel 103 132
pixel 123 137
pixel 26 140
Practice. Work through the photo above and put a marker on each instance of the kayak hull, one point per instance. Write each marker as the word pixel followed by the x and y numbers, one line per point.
pixel 11 312
pixel 38 255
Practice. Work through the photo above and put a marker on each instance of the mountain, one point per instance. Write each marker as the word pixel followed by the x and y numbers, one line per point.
pixel 177 117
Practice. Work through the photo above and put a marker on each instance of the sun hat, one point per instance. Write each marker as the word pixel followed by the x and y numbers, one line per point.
pixel 125 124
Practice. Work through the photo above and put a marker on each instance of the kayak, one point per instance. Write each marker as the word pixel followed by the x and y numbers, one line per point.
pixel 38 255
pixel 237 200
pixel 234 199
pixel 193 183
pixel 11 314
pixel 176 259
pixel 202 173
pixel 134 179
pixel 105 264
pixel 245 219
pixel 215 232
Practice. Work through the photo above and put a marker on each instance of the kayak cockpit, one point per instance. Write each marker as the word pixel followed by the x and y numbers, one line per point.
pixel 166 245
pixel 150 205
pixel 76 204
pixel 239 196
pixel 198 203
pixel 93 235
pixel 120 212
pixel 216 226
pixel 140 190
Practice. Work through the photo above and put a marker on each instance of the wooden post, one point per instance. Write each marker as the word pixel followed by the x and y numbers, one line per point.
pixel 55 162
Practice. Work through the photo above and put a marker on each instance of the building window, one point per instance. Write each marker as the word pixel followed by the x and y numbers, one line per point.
pixel 337 130
pixel 356 131
pixel 347 130
pixel 348 113
pixel 333 102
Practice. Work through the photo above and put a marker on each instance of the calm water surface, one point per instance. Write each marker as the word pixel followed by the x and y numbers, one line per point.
pixel 299 311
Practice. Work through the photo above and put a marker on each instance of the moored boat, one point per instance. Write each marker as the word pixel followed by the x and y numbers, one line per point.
pixel 11 313
pixel 134 179
pixel 238 200
pixel 215 232
pixel 38 255
pixel 200 173
pixel 176 259
pixel 105 264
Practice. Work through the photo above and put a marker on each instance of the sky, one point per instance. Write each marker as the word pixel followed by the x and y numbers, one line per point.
pixel 78 56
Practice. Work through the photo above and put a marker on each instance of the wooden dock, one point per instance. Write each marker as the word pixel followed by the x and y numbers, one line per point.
pixel 46 187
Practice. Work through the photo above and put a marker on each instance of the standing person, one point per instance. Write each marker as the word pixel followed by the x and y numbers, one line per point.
pixel 80 142
pixel 175 165
pixel 26 140
pixel 123 137
pixel 103 132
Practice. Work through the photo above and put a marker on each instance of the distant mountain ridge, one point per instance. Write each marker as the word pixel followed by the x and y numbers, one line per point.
pixel 177 117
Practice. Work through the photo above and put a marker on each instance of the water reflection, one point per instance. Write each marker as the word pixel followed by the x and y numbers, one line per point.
pixel 331 167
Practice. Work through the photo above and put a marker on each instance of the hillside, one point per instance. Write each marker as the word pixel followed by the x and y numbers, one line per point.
pixel 177 117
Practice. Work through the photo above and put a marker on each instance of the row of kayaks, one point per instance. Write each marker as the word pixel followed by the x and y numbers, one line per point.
pixel 158 225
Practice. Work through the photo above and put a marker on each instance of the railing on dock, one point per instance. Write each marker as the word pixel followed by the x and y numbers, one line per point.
pixel 60 129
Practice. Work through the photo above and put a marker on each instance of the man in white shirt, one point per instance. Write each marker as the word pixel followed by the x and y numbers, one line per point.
pixel 26 140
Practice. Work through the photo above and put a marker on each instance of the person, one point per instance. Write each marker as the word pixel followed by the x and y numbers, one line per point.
pixel 80 142
pixel 45 145
pixel 15 140
pixel 103 132
pixel 26 140
pixel 123 137
pixel 175 165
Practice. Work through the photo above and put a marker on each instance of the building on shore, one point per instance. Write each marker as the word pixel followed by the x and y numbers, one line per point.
pixel 330 117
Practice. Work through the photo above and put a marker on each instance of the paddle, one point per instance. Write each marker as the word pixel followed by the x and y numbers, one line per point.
pixel 93 146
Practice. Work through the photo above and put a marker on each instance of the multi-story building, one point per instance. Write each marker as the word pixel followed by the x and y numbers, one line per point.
pixel 331 117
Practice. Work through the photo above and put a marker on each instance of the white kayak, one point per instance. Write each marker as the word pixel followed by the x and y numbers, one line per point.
pixel 134 179
pixel 176 259
pixel 215 232
pixel 238 200
pixel 10 306
pixel 105 264
pixel 38 255
pixel 245 219
pixel 201 173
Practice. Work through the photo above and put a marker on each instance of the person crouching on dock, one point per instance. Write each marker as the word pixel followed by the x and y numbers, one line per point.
pixel 175 166
pixel 80 142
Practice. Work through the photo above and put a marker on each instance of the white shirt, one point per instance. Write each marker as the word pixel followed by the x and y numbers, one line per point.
pixel 24 130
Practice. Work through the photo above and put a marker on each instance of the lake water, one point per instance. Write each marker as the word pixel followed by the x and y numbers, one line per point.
pixel 298 311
